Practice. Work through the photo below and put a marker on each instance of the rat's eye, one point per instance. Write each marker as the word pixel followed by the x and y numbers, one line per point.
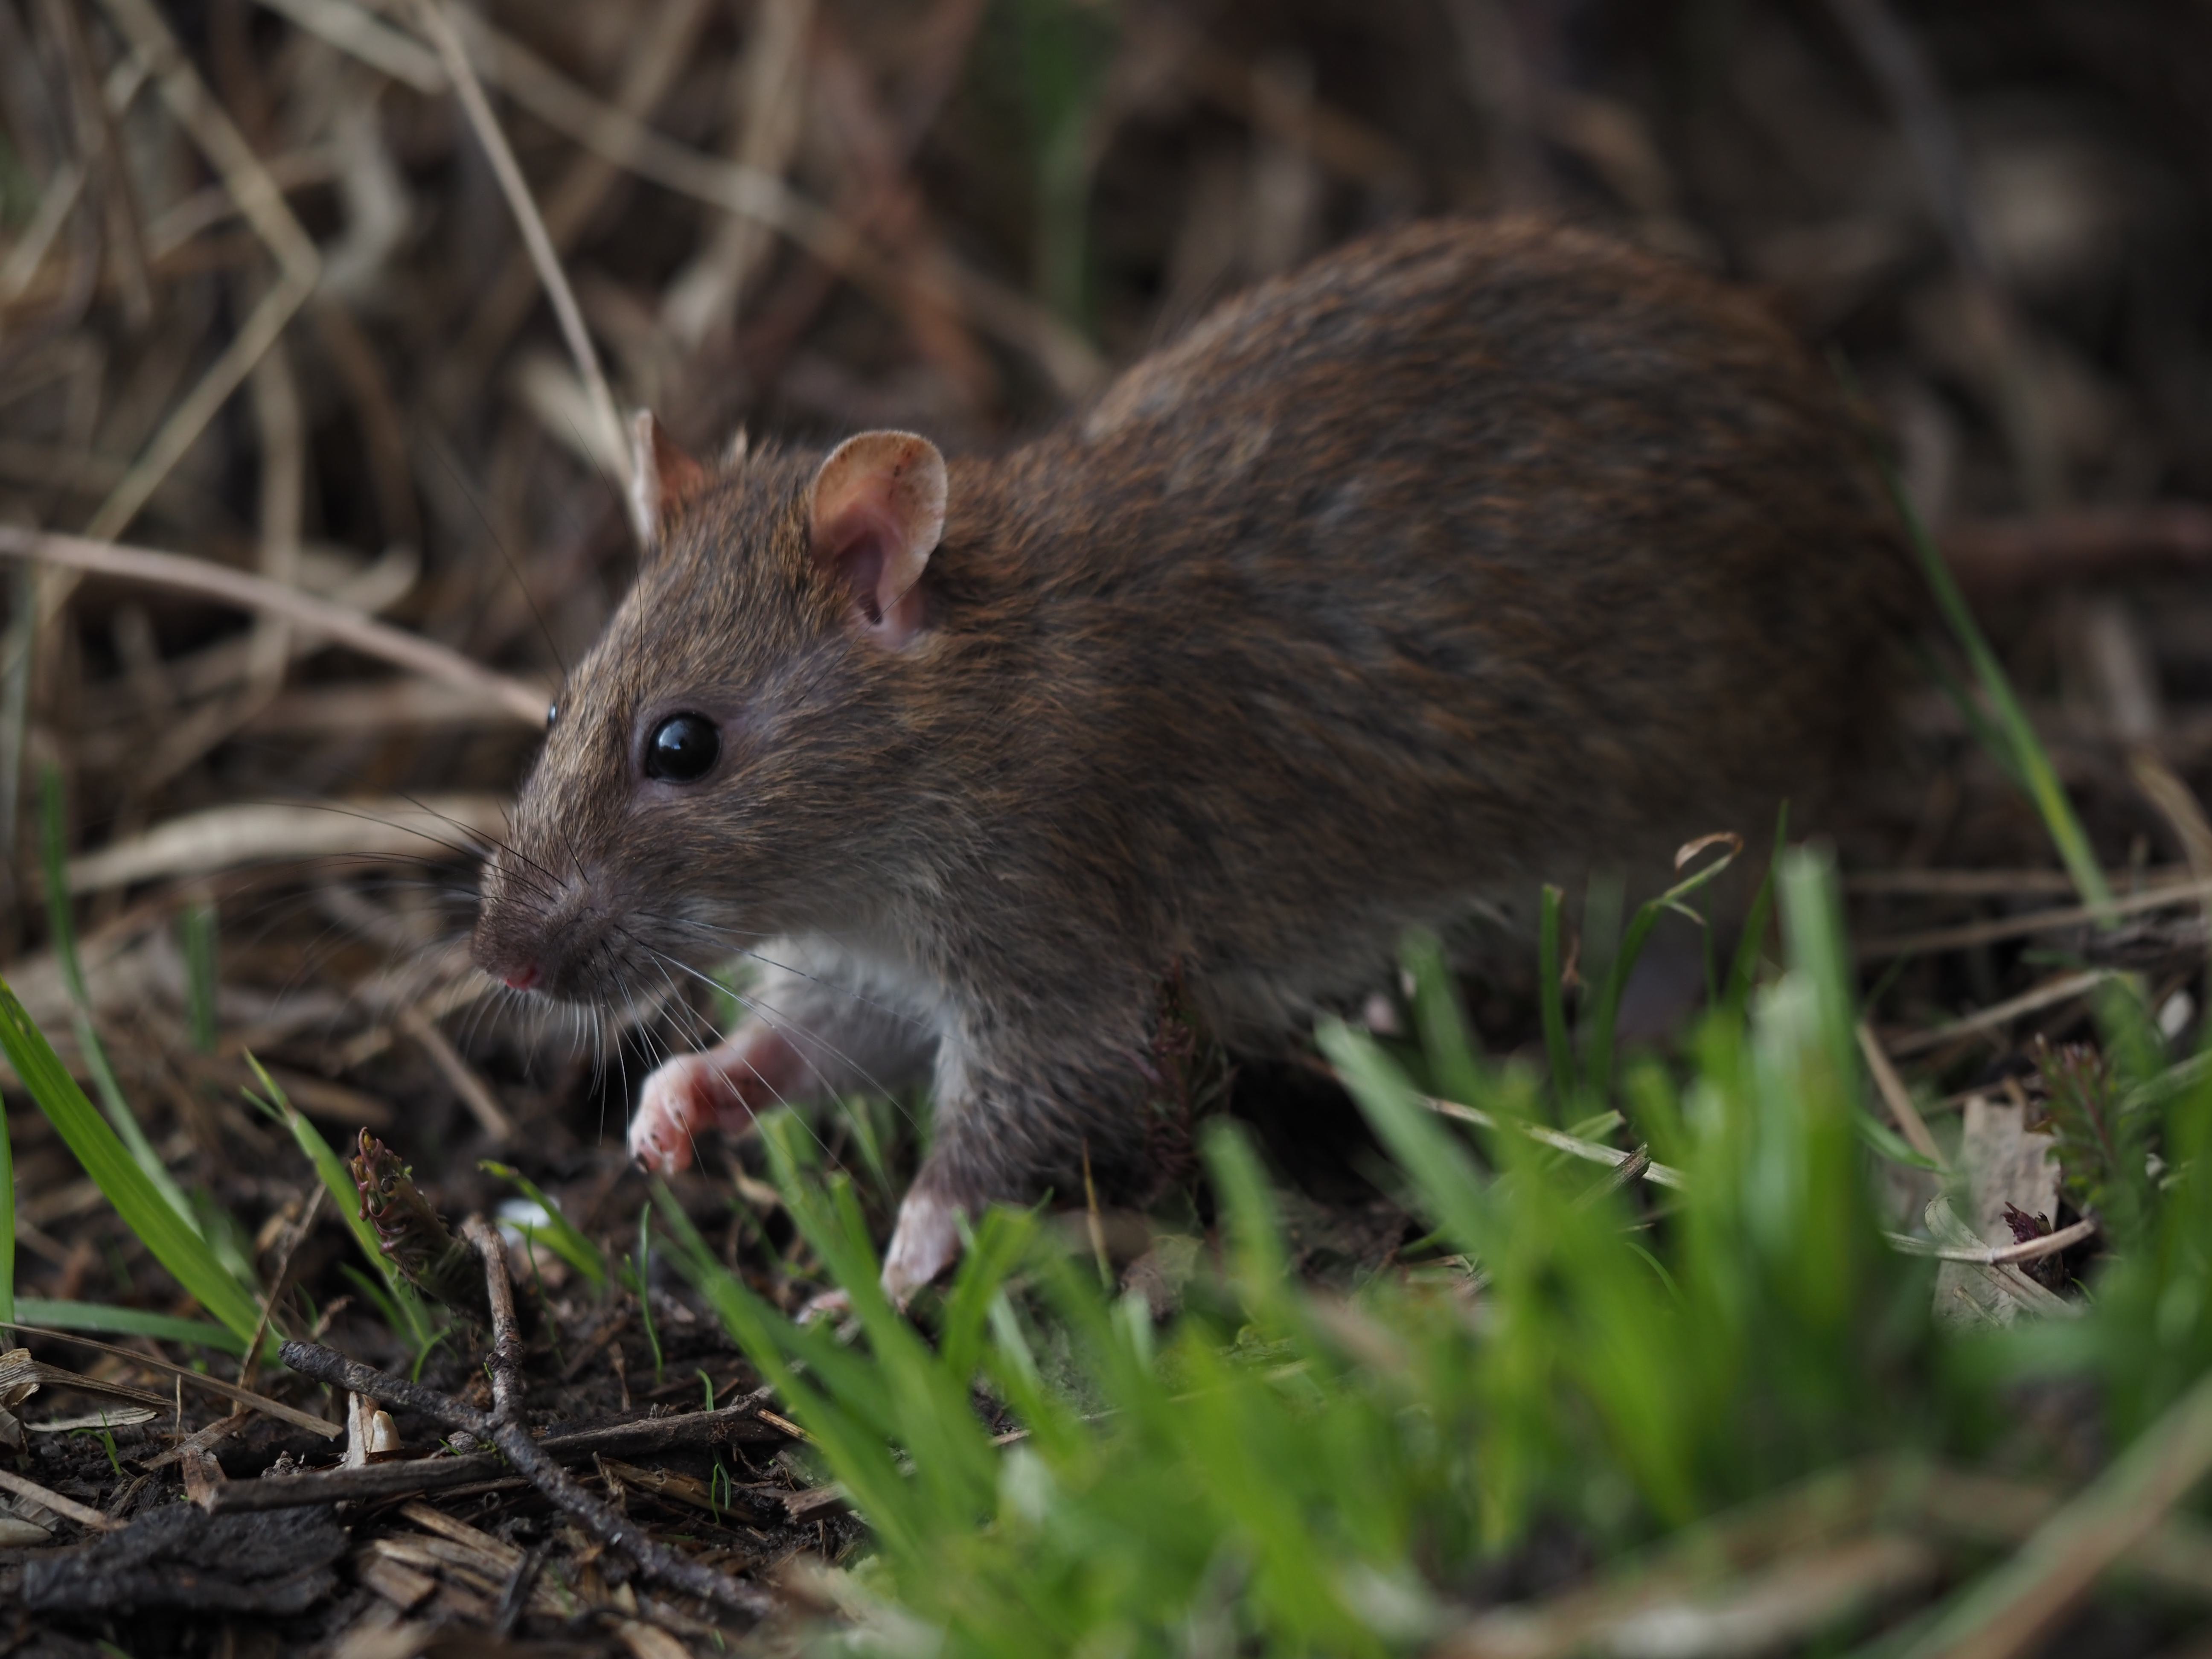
pixel 552 713
pixel 682 748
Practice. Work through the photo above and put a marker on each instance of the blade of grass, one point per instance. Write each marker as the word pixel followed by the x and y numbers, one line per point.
pixel 7 1224
pixel 125 1322
pixel 640 1278
pixel 143 1207
pixel 1744 968
pixel 859 1459
pixel 2023 752
pixel 62 930
pixel 1551 998
pixel 1632 947
pixel 1436 1004
pixel 197 929
pixel 557 1233
pixel 414 1320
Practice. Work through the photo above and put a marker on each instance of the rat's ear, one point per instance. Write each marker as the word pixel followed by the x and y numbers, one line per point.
pixel 661 477
pixel 875 513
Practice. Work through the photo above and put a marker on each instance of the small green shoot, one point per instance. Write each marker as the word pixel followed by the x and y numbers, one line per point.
pixel 106 1438
pixel 1552 1000
pixel 556 1232
pixel 1743 968
pixel 61 928
pixel 1606 1013
pixel 197 937
pixel 7 1224
pixel 401 1306
pixel 637 1274
pixel 2022 750
pixel 721 1487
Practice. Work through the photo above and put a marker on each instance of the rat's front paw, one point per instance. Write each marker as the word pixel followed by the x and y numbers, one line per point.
pixel 926 1242
pixel 678 1100
pixel 720 1089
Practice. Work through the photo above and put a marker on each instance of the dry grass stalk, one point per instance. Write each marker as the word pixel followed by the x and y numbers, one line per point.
pixel 439 25
pixel 86 555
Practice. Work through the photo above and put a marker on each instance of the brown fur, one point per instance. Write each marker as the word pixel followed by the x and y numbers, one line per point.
pixel 1468 556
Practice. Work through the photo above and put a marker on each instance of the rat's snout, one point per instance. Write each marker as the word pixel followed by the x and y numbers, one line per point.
pixel 530 934
pixel 504 951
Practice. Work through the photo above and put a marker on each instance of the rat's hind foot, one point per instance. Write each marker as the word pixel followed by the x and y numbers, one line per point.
pixel 723 1088
pixel 926 1242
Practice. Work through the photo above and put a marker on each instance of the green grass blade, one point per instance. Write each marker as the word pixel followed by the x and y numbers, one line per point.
pixel 997 1247
pixel 413 1321
pixel 1260 1264
pixel 1607 1011
pixel 54 849
pixel 2023 752
pixel 1444 1173
pixel 1980 725
pixel 143 1207
pixel 558 1234
pixel 7 1224
pixel 1743 968
pixel 858 1112
pixel 197 936
pixel 125 1322
pixel 857 1457
pixel 1437 1017
pixel 1552 999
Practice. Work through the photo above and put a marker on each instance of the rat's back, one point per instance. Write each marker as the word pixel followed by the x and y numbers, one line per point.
pixel 1472 550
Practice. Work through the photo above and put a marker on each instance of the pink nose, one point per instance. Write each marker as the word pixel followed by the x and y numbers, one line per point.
pixel 522 978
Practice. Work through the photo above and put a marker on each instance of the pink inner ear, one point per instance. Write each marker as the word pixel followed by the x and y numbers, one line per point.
pixel 876 511
pixel 858 554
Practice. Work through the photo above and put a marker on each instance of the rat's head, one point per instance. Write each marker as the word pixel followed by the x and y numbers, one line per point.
pixel 729 762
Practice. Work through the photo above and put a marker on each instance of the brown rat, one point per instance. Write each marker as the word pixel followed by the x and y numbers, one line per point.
pixel 1468 556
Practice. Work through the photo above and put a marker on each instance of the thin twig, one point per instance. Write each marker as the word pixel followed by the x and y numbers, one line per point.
pixel 1898 1099
pixel 529 1460
pixel 738 1423
pixel 230 1391
pixel 2092 543
pixel 340 622
pixel 476 1094
pixel 375 43
pixel 1660 1175
pixel 469 90
pixel 83 1514
pixel 1996 1255
pixel 2172 896
pixel 2056 991
pixel 507 1389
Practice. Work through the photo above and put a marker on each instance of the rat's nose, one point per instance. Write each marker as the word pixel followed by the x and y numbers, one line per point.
pixel 521 978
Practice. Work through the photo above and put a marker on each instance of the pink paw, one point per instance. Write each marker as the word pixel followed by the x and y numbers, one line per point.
pixel 926 1242
pixel 678 1100
pixel 720 1089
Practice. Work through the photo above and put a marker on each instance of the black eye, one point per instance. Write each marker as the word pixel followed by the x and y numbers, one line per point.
pixel 552 713
pixel 682 748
